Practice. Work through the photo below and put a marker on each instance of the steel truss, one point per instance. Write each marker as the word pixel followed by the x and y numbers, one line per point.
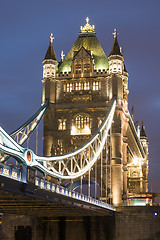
pixel 67 166
pixel 22 134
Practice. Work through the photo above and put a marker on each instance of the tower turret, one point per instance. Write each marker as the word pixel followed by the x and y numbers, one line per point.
pixel 118 73
pixel 143 138
pixel 49 72
pixel 118 79
pixel 50 61
pixel 116 61
pixel 144 141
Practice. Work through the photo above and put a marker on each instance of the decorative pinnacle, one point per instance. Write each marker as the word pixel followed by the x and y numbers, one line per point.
pixel 51 37
pixel 87 20
pixel 143 125
pixel 121 50
pixel 115 33
pixel 87 27
pixel 62 56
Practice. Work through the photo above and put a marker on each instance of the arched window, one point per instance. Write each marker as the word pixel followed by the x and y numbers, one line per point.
pixel 86 66
pixel 78 66
pixel 69 87
pixel 81 124
pixel 78 86
pixel 86 86
pixel 61 124
pixel 81 121
pixel 95 86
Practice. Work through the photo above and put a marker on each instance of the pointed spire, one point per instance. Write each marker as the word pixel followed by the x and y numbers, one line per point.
pixel 115 47
pixel 143 133
pixel 50 54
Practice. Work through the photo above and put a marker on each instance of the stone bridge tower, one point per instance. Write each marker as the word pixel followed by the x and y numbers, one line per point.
pixel 80 89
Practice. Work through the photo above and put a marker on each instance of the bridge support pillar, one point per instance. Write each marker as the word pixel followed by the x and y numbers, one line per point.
pixel 117 172
pixel 117 184
pixel 124 173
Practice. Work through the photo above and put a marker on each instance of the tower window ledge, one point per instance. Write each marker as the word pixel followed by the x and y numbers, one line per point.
pixel 81 131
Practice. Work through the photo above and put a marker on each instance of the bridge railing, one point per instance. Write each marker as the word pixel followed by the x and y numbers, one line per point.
pixel 43 184
pixel 10 172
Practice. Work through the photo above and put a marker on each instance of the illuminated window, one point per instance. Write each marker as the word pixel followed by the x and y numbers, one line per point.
pixel 78 68
pixel 86 67
pixel 48 70
pixel 61 124
pixel 81 125
pixel 78 86
pixel 53 71
pixel 114 68
pixel 86 85
pixel 69 87
pixel 95 86
pixel 81 121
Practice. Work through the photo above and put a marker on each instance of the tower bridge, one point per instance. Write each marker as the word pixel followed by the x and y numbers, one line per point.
pixel 94 157
pixel 89 134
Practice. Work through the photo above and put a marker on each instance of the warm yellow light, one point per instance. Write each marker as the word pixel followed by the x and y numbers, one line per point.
pixel 87 27
pixel 86 128
pixel 135 161
pixel 73 128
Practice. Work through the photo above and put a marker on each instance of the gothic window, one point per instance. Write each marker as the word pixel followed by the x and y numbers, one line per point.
pixel 78 66
pixel 114 67
pixel 69 87
pixel 95 86
pixel 61 124
pixel 86 86
pixel 52 71
pixel 86 67
pixel 87 64
pixel 81 121
pixel 81 125
pixel 119 68
pixel 78 86
pixel 56 149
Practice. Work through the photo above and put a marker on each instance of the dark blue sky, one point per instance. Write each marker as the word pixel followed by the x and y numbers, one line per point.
pixel 25 27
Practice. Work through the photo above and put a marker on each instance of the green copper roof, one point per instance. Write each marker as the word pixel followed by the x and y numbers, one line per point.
pixel 89 41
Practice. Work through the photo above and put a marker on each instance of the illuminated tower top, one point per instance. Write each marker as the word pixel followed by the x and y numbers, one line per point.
pixel 87 28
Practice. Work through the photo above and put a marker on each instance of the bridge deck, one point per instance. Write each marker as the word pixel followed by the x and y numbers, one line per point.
pixel 27 199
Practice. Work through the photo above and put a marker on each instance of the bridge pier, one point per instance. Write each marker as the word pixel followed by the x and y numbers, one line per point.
pixel 130 223
pixel 60 228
